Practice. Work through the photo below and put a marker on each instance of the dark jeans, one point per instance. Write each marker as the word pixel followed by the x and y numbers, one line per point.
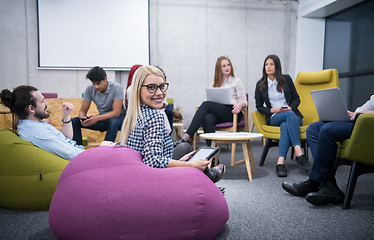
pixel 111 126
pixel 184 148
pixel 322 139
pixel 210 114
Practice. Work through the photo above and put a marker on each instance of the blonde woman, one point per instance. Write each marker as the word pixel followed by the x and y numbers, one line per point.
pixel 144 129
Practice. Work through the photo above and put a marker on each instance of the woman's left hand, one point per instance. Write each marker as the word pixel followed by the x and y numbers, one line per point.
pixel 237 108
pixel 187 156
pixel 285 108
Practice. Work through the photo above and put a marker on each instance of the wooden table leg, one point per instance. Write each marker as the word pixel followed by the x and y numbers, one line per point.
pixel 250 154
pixel 246 159
pixel 233 149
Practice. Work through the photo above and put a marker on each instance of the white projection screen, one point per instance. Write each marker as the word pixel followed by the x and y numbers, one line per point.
pixel 87 33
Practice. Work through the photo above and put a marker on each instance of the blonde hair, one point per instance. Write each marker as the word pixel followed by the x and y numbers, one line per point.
pixel 218 76
pixel 133 110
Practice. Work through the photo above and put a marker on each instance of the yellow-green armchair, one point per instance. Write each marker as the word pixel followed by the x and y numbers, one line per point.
pixel 304 83
pixel 359 149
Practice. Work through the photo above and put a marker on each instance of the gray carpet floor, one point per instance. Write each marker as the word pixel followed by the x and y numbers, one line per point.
pixel 260 209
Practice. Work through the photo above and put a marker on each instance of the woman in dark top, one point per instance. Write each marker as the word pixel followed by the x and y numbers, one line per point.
pixel 277 98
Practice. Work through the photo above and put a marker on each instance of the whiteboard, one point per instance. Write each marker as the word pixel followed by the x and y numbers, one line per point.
pixel 87 33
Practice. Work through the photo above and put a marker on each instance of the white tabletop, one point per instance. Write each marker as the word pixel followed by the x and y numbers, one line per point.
pixel 231 135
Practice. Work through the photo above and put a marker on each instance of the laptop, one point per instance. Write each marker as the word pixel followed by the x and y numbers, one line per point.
pixel 219 95
pixel 330 105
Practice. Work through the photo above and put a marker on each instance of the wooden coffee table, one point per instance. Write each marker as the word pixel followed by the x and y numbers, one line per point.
pixel 243 138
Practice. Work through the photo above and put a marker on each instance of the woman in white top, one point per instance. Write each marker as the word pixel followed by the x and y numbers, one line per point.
pixel 211 113
pixel 277 98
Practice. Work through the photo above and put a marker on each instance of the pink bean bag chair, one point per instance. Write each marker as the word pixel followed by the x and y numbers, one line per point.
pixel 109 193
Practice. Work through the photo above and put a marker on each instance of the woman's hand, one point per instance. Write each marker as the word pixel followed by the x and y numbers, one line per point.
pixel 237 108
pixel 199 163
pixel 187 156
pixel 280 109
pixel 285 108
pixel 276 110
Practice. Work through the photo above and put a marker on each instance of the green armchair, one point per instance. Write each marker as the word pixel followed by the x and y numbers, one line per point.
pixel 28 174
pixel 304 83
pixel 359 149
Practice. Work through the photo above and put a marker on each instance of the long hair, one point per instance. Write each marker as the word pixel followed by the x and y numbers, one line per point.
pixel 218 76
pixel 134 110
pixel 278 74
pixel 19 100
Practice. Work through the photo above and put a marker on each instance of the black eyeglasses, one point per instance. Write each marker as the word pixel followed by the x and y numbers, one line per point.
pixel 152 88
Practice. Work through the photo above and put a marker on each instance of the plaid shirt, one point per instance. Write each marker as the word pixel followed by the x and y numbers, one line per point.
pixel 151 139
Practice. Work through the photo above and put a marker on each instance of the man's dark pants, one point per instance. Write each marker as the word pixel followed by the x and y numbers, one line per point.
pixel 111 126
pixel 322 140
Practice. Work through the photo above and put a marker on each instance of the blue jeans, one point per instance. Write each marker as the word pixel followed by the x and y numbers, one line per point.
pixel 322 138
pixel 111 126
pixel 290 130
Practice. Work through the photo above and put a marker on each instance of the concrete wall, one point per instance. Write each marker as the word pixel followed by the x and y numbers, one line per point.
pixel 186 39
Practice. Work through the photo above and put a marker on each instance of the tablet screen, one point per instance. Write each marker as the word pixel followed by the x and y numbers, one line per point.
pixel 203 153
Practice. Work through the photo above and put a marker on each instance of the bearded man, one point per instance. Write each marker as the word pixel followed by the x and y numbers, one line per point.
pixel 29 105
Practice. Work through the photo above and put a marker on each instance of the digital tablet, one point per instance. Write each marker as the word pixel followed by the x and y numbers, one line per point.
pixel 205 153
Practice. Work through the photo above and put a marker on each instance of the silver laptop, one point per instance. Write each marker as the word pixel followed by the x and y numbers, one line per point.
pixel 219 95
pixel 330 105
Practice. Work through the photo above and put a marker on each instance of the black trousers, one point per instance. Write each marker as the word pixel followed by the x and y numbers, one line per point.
pixel 210 114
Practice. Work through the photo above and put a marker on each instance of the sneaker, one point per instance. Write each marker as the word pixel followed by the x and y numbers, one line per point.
pixel 281 170
pixel 219 171
pixel 303 162
pixel 222 189
pixel 176 143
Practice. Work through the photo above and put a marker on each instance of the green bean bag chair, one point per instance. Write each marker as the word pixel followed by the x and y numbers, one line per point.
pixel 28 174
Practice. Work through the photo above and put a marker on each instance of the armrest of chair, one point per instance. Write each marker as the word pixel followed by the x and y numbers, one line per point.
pixel 259 120
pixel 359 147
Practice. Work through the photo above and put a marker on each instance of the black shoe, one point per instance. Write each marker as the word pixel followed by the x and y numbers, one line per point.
pixel 218 171
pixel 281 170
pixel 300 189
pixel 303 162
pixel 328 193
pixel 176 143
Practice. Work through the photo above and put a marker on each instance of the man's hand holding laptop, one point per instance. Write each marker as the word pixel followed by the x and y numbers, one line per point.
pixel 352 115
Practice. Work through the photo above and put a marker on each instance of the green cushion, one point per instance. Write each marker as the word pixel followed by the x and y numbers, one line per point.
pixel 28 174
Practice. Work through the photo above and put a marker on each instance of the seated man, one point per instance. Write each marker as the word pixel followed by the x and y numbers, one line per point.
pixel 321 187
pixel 29 105
pixel 108 97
